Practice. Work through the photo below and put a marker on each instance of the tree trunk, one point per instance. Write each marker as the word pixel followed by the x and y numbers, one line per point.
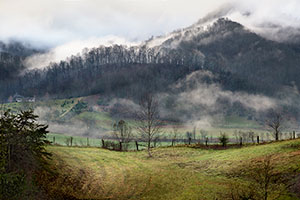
pixel 9 156
pixel 149 148
pixel 120 146
pixel 294 135
pixel 257 139
pixel 137 145
pixel 103 143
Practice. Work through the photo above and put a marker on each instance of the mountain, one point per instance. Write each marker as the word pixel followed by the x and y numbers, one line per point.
pixel 240 59
pixel 228 46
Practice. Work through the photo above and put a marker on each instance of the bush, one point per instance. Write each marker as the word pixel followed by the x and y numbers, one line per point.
pixel 80 107
pixel 223 139
pixel 11 185
pixel 263 179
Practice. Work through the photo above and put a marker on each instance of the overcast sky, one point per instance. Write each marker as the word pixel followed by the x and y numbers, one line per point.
pixel 56 22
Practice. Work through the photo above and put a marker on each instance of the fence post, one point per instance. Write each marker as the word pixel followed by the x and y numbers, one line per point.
pixel 241 141
pixel 53 139
pixel 87 142
pixel 206 141
pixel 71 141
pixel 120 146
pixel 103 143
pixel 294 135
pixel 137 145
pixel 257 139
pixel 190 140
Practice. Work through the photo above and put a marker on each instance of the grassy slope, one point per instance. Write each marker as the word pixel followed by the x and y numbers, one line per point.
pixel 173 173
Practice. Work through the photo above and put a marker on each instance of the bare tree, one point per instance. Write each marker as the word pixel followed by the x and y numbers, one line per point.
pixel 189 136
pixel 122 132
pixel 223 139
pixel 275 123
pixel 251 136
pixel 149 123
pixel 203 135
pixel 243 136
pixel 262 136
pixel 236 135
pixel 194 133
pixel 174 134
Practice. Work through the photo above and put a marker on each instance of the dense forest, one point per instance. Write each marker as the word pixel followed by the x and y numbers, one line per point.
pixel 240 60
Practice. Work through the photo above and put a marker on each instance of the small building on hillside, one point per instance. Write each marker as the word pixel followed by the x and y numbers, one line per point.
pixel 30 99
pixel 19 98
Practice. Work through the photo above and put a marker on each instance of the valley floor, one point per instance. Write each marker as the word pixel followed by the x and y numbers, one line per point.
pixel 172 173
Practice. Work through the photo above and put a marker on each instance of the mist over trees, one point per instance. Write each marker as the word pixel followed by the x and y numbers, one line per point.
pixel 12 56
pixel 115 69
pixel 239 59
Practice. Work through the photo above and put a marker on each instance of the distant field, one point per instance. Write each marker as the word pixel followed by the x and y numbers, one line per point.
pixel 172 173
pixel 63 140
pixel 62 111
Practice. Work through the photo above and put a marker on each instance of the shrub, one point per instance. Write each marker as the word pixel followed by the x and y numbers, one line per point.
pixel 223 139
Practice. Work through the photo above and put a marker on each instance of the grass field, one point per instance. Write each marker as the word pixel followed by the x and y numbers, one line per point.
pixel 86 171
pixel 172 173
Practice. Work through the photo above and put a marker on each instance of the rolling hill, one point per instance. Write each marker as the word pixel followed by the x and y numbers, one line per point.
pixel 173 173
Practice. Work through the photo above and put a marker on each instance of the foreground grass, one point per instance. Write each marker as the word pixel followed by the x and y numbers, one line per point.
pixel 172 173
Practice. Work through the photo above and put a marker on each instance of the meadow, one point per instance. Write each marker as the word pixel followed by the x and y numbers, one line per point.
pixel 181 172
pixel 84 170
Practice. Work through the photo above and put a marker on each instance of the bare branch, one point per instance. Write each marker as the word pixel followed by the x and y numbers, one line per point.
pixel 148 122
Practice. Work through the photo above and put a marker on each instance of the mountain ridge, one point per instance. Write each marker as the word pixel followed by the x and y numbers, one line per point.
pixel 242 59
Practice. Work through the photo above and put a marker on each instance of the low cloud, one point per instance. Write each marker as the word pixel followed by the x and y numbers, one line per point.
pixel 67 27
pixel 62 52
pixel 198 92
pixel 203 102
pixel 56 22
pixel 74 127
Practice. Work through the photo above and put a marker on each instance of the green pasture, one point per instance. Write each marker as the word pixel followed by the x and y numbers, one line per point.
pixel 172 173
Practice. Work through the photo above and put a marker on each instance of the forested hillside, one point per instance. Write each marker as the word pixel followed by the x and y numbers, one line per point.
pixel 12 56
pixel 239 59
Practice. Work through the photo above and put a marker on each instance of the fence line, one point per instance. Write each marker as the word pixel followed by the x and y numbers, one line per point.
pixel 111 143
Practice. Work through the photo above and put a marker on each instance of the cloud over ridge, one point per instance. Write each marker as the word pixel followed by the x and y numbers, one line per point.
pixel 55 22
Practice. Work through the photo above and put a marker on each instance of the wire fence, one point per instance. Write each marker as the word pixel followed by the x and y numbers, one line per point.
pixel 136 144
